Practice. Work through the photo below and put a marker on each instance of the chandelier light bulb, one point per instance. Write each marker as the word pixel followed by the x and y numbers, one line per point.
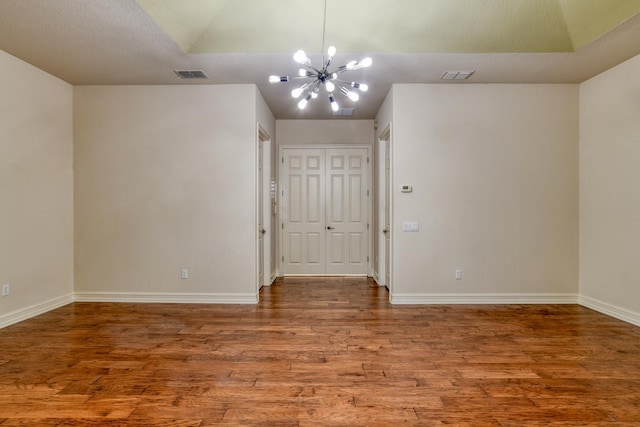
pixel 297 92
pixel 366 62
pixel 362 87
pixel 278 79
pixel 331 51
pixel 300 57
pixel 303 102
pixel 334 105
pixel 351 65
pixel 351 95
pixel 302 72
pixel 330 86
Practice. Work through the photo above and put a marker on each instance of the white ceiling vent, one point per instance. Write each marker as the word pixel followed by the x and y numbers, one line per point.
pixel 344 112
pixel 191 74
pixel 457 75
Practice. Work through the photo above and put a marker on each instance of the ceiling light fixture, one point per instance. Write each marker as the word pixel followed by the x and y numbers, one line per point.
pixel 324 76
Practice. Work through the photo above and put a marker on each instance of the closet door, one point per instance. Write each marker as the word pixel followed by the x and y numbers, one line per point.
pixel 325 211
pixel 346 211
pixel 303 211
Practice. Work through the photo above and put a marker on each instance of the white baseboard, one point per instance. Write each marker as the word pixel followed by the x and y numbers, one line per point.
pixel 34 310
pixel 611 310
pixel 423 299
pixel 166 297
pixel 376 278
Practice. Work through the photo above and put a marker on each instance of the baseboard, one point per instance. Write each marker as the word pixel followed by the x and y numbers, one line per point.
pixel 145 297
pixel 424 299
pixel 34 310
pixel 376 278
pixel 611 310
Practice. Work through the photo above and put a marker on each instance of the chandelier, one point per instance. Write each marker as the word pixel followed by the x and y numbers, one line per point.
pixel 315 78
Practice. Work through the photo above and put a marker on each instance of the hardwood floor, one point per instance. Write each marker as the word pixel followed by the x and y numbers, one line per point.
pixel 319 351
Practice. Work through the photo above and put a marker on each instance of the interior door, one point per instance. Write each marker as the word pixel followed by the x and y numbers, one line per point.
pixel 346 208
pixel 261 230
pixel 387 213
pixel 325 211
pixel 303 211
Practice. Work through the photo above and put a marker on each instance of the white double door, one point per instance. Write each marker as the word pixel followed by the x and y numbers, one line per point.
pixel 325 211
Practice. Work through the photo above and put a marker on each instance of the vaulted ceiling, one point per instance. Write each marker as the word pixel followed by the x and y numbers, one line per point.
pixel 244 41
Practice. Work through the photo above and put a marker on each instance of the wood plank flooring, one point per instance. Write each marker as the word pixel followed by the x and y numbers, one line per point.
pixel 320 351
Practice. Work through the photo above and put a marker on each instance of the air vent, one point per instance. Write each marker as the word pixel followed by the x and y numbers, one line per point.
pixel 457 75
pixel 344 112
pixel 191 74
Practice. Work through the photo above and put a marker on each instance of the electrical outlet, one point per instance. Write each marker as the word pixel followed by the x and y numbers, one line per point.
pixel 184 274
pixel 5 290
pixel 458 274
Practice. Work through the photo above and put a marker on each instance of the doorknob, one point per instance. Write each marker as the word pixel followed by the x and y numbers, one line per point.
pixel 263 231
pixel 385 231
pixel 330 227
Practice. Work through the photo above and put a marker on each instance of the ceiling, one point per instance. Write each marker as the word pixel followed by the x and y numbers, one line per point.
pixel 126 42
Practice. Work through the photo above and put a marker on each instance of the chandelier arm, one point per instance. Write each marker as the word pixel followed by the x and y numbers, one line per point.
pixel 311 67
pixel 342 81
pixel 326 66
pixel 341 70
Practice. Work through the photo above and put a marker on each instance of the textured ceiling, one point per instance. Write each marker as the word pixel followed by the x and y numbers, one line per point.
pixel 383 26
pixel 99 42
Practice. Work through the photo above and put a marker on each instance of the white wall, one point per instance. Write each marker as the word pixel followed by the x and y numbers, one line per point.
pixel 36 190
pixel 166 180
pixel 610 191
pixel 494 172
pixel 321 132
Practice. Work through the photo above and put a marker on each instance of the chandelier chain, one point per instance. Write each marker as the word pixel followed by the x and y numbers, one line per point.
pixel 324 28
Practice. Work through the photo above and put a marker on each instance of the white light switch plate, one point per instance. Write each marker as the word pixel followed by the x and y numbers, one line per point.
pixel 410 226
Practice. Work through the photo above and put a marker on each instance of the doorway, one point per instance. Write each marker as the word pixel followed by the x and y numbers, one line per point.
pixel 325 211
pixel 383 229
pixel 264 214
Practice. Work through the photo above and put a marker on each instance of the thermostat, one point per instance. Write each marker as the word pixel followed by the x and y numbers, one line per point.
pixel 406 189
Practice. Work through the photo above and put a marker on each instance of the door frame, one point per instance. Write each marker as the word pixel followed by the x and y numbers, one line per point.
pixel 370 190
pixel 263 141
pixel 384 187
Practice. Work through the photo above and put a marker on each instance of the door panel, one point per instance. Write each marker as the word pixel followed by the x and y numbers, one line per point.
pixel 347 244
pixel 303 212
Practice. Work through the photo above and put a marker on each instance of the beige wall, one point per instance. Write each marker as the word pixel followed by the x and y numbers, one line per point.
pixel 320 132
pixel 36 190
pixel 166 180
pixel 495 182
pixel 610 191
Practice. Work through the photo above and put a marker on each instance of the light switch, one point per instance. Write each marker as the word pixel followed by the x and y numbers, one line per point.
pixel 410 226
